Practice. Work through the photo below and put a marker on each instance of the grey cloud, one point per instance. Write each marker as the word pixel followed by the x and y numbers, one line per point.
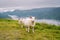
pixel 28 3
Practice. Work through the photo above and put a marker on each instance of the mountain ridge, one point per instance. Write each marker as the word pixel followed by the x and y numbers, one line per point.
pixel 39 13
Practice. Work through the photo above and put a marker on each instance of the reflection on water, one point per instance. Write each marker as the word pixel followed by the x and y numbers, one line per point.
pixel 48 21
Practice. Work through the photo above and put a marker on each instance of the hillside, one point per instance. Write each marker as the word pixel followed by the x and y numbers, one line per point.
pixel 11 30
pixel 40 13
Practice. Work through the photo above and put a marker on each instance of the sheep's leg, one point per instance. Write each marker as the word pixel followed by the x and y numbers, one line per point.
pixel 21 23
pixel 21 26
pixel 28 29
pixel 33 29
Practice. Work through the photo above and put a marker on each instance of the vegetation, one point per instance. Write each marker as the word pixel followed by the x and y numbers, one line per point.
pixel 11 30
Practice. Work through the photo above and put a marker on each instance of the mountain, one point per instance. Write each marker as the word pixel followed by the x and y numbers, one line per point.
pixel 39 13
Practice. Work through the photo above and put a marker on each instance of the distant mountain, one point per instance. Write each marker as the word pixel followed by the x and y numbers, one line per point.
pixel 39 13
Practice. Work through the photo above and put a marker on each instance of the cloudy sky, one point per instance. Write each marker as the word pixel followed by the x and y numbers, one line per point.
pixel 28 4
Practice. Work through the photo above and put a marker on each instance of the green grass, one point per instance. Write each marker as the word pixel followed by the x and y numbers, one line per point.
pixel 11 30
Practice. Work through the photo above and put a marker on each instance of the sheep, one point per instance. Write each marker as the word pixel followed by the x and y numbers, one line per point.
pixel 28 22
pixel 21 22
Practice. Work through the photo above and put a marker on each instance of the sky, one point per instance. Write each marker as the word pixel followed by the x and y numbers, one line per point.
pixel 27 4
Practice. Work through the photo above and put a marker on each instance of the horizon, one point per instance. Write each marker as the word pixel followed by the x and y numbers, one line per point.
pixel 12 9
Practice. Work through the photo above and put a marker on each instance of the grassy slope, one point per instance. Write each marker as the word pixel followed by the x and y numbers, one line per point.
pixel 11 30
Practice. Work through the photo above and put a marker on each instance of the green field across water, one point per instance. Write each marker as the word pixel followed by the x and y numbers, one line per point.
pixel 11 30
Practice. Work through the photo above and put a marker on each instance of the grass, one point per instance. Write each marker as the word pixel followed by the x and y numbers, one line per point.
pixel 11 30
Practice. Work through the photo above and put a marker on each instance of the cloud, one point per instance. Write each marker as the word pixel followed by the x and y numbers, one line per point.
pixel 6 9
pixel 14 17
pixel 49 21
pixel 26 4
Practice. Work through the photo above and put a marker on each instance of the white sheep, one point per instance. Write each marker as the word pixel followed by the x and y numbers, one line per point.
pixel 28 22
